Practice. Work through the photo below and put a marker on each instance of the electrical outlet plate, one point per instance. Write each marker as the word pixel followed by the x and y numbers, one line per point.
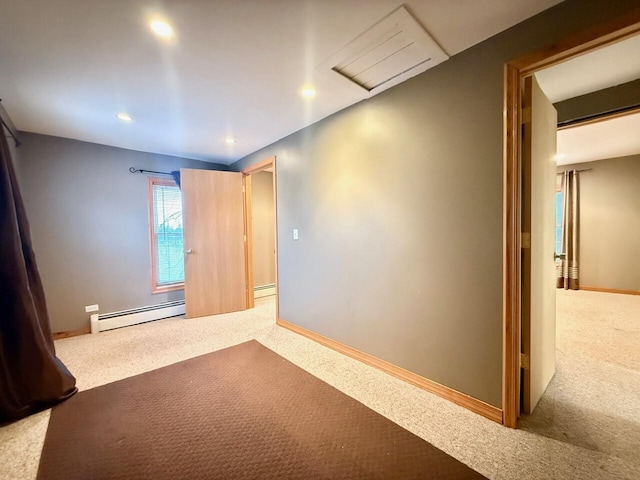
pixel 91 308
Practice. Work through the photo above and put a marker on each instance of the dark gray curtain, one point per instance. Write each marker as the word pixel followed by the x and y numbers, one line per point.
pixel 176 177
pixel 567 269
pixel 32 378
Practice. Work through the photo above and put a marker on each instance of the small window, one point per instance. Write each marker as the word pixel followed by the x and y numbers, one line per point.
pixel 559 222
pixel 165 222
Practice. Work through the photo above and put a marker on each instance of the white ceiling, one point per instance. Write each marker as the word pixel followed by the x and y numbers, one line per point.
pixel 234 68
pixel 603 68
pixel 617 137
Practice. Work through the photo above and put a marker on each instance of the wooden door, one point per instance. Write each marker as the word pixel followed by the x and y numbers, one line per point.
pixel 214 242
pixel 538 263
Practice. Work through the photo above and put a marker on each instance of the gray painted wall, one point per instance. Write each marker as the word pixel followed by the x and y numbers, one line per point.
pixel 89 221
pixel 610 223
pixel 398 200
pixel 597 103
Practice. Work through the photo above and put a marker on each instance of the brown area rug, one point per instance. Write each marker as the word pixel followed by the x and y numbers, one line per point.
pixel 242 412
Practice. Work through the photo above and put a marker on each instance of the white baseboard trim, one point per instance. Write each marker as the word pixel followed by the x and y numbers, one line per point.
pixel 264 291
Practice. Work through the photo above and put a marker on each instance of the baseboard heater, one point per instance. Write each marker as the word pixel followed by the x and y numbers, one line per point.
pixel 264 290
pixel 125 318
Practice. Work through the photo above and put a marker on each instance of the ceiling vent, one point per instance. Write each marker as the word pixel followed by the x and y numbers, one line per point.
pixel 393 50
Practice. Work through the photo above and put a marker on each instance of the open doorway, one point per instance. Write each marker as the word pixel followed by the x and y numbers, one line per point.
pixel 592 400
pixel 263 229
pixel 596 239
pixel 260 225
pixel 517 238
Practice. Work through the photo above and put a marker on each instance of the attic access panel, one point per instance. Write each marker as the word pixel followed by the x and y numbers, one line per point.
pixel 391 51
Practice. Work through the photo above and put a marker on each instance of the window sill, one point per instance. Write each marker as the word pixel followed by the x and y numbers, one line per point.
pixel 167 288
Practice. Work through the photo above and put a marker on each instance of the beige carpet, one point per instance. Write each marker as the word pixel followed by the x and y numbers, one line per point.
pixel 593 401
pixel 607 375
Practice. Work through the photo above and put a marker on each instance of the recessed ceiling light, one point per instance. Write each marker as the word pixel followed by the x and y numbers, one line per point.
pixel 160 28
pixel 230 140
pixel 308 92
pixel 124 117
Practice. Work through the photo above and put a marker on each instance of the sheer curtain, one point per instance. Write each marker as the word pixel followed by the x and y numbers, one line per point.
pixel 32 378
pixel 567 269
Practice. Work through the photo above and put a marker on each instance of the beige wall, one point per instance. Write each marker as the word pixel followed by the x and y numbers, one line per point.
pixel 610 223
pixel 263 228
pixel 89 222
pixel 398 201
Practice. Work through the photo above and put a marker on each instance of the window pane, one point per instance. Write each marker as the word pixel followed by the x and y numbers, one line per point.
pixel 167 230
pixel 558 223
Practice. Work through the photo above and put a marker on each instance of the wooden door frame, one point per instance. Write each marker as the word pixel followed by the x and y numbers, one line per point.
pixel 515 71
pixel 248 209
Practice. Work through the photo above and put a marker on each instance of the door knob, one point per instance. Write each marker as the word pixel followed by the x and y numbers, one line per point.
pixel 188 251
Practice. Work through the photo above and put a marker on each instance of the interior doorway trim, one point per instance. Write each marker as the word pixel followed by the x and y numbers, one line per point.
pixel 515 71
pixel 265 164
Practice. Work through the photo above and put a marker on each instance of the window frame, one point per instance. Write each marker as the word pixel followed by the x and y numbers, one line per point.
pixel 153 246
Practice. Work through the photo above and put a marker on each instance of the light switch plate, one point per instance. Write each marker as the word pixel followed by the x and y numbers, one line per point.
pixel 295 234
pixel 91 308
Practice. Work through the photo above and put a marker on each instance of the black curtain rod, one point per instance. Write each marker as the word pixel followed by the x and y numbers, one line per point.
pixel 139 170
pixel 595 116
pixel 6 121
